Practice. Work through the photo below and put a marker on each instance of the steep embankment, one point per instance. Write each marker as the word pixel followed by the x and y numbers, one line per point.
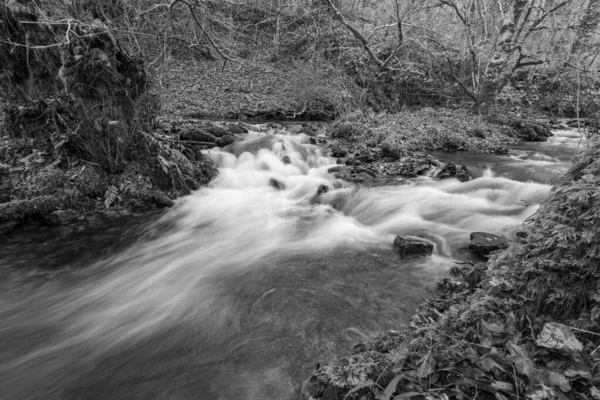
pixel 499 329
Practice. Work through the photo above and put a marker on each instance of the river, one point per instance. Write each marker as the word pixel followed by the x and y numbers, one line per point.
pixel 239 290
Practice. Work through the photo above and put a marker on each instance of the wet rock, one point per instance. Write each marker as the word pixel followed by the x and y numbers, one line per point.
pixel 412 166
pixel 197 136
pixel 353 162
pixel 322 189
pixel 274 183
pixel 364 178
pixel 483 243
pixel 333 170
pixel 408 246
pixel 365 157
pixel 450 170
pixel 217 131
pixel 309 129
pixel 286 160
pixel 236 129
pixel 337 151
pixel 225 141
pixel 361 170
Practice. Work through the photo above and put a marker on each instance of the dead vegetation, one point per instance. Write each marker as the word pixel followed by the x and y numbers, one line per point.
pixel 78 119
pixel 523 326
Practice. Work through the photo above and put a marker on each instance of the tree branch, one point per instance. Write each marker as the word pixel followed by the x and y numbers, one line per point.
pixel 356 34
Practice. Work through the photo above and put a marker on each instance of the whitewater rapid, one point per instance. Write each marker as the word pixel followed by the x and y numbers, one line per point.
pixel 238 289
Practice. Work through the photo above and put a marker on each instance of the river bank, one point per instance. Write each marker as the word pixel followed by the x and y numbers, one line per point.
pixel 519 325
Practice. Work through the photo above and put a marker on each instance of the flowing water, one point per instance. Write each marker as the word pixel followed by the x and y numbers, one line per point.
pixel 238 291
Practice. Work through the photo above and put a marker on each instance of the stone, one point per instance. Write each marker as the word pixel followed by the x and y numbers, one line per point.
pixel 236 129
pixel 225 141
pixel 217 131
pixel 353 162
pixel 409 246
pixel 337 151
pixel 361 170
pixel 274 183
pixel 197 136
pixel 450 170
pixel 322 189
pixel 309 129
pixel 483 243
pixel 365 157
pixel 286 160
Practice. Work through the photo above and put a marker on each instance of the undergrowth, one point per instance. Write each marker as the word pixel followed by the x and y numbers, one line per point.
pixel 403 133
pixel 522 326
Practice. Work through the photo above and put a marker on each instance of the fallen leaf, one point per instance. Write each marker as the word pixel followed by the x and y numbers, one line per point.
pixel 558 337
pixel 558 380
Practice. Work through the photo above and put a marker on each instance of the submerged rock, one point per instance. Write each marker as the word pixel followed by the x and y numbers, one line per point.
pixel 408 246
pixel 483 243
pixel 286 160
pixel 274 183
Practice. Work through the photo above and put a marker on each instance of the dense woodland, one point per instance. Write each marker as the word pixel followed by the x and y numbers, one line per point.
pixel 89 126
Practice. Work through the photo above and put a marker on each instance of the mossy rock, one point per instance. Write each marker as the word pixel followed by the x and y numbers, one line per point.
pixel 236 129
pixel 198 136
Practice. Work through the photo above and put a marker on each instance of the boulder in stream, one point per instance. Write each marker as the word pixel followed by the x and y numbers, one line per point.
pixel 216 130
pixel 410 246
pixel 276 184
pixel 225 140
pixel 450 170
pixel 483 243
pixel 236 129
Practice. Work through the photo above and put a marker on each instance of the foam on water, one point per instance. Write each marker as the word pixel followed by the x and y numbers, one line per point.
pixel 230 236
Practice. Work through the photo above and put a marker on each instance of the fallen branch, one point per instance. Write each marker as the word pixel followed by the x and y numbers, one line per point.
pixel 179 141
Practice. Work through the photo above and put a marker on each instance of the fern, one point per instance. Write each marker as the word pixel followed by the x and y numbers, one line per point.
pixel 112 193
